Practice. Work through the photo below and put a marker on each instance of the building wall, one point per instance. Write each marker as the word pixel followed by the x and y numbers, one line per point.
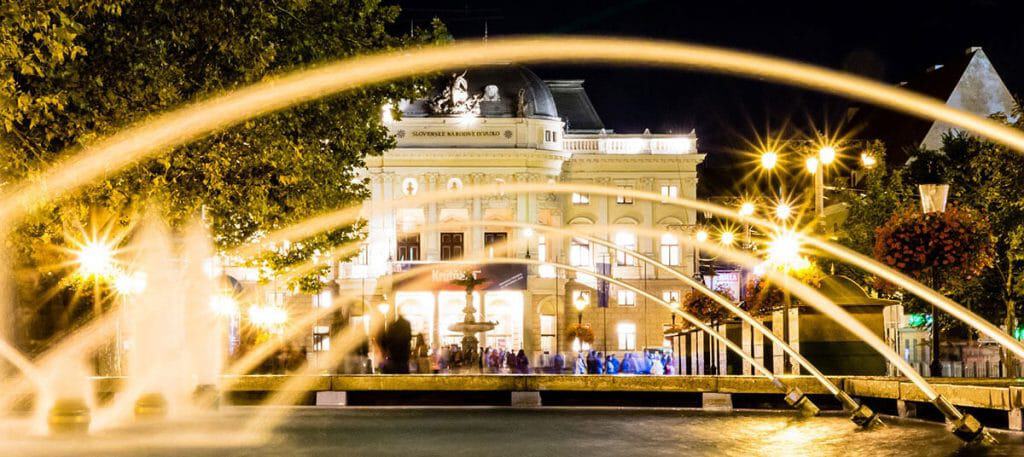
pixel 434 151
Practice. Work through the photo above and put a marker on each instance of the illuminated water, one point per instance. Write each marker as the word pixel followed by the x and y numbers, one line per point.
pixel 503 431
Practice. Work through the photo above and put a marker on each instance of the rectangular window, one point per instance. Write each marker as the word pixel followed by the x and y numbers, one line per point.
pixel 625 240
pixel 627 336
pixel 670 296
pixel 579 253
pixel 668 191
pixel 624 199
pixel 321 338
pixel 360 267
pixel 545 271
pixel 451 246
pixel 580 199
pixel 669 250
pixel 547 333
pixel 496 243
pixel 626 297
pixel 409 247
pixel 323 299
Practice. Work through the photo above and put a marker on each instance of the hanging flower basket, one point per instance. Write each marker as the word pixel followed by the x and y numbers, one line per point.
pixel 705 308
pixel 583 332
pixel 956 242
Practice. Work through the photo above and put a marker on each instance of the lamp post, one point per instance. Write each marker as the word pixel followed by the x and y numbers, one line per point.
pixel 933 200
pixel 580 303
pixel 816 167
pixel 674 305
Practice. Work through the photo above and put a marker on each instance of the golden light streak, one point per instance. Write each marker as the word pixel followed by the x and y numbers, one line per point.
pixel 175 128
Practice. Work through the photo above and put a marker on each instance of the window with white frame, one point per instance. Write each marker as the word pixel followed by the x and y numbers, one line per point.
pixel 669 249
pixel 625 240
pixel 669 191
pixel 626 332
pixel 626 297
pixel 670 296
pixel 545 270
pixel 547 333
pixel 579 253
pixel 323 299
pixel 580 199
pixel 360 267
pixel 623 199
pixel 321 338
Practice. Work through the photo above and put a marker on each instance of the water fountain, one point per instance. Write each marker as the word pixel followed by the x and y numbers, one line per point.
pixel 469 327
pixel 166 370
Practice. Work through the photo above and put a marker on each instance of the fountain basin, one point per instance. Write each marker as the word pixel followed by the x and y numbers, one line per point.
pixel 151 405
pixel 69 415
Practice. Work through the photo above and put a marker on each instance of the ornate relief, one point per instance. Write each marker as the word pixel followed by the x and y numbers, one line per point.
pixel 455 99
pixel 491 94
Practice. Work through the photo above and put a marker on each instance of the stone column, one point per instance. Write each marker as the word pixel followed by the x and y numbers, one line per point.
pixel 646 244
pixel 430 238
pixel 475 237
pixel 524 203
pixel 435 331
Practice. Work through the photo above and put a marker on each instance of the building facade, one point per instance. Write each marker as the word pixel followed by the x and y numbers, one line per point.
pixel 502 124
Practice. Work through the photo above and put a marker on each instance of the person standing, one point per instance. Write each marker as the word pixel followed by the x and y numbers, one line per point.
pixel 522 362
pixel 396 345
pixel 611 366
pixel 422 359
pixel 581 364
pixel 557 363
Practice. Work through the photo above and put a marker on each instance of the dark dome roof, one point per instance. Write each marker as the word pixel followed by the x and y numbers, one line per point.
pixel 509 79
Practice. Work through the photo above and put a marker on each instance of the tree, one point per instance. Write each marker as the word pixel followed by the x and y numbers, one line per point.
pixel 879 193
pixel 989 178
pixel 944 249
pixel 75 70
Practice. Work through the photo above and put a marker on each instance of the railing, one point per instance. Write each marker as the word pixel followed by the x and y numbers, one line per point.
pixel 643 144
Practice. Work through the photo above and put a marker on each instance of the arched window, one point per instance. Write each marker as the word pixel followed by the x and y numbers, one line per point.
pixel 454 184
pixel 410 186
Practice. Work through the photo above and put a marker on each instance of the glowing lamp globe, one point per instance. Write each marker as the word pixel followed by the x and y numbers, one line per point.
pixel 827 155
pixel 727 238
pixel 95 258
pixel 702 235
pixel 812 165
pixel 747 209
pixel 769 159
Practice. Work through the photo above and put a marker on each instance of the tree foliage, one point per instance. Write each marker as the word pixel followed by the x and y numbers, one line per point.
pixel 72 71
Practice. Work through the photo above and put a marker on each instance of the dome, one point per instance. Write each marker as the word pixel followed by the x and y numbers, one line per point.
pixel 488 91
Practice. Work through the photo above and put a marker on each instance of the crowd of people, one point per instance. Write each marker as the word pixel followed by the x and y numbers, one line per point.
pixel 647 363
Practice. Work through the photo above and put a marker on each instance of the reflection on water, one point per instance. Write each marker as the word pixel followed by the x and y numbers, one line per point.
pixel 502 431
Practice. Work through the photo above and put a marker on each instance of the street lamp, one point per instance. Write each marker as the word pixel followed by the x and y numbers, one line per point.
pixel 95 258
pixel 727 238
pixel 580 303
pixel 868 160
pixel 826 155
pixel 812 164
pixel 769 159
pixel 702 235
pixel 783 211
pixel 784 251
pixel 747 209
pixel 130 284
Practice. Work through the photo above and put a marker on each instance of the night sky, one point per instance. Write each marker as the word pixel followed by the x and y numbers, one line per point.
pixel 891 41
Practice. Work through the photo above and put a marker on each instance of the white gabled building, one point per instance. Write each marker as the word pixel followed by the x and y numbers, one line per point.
pixel 501 123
